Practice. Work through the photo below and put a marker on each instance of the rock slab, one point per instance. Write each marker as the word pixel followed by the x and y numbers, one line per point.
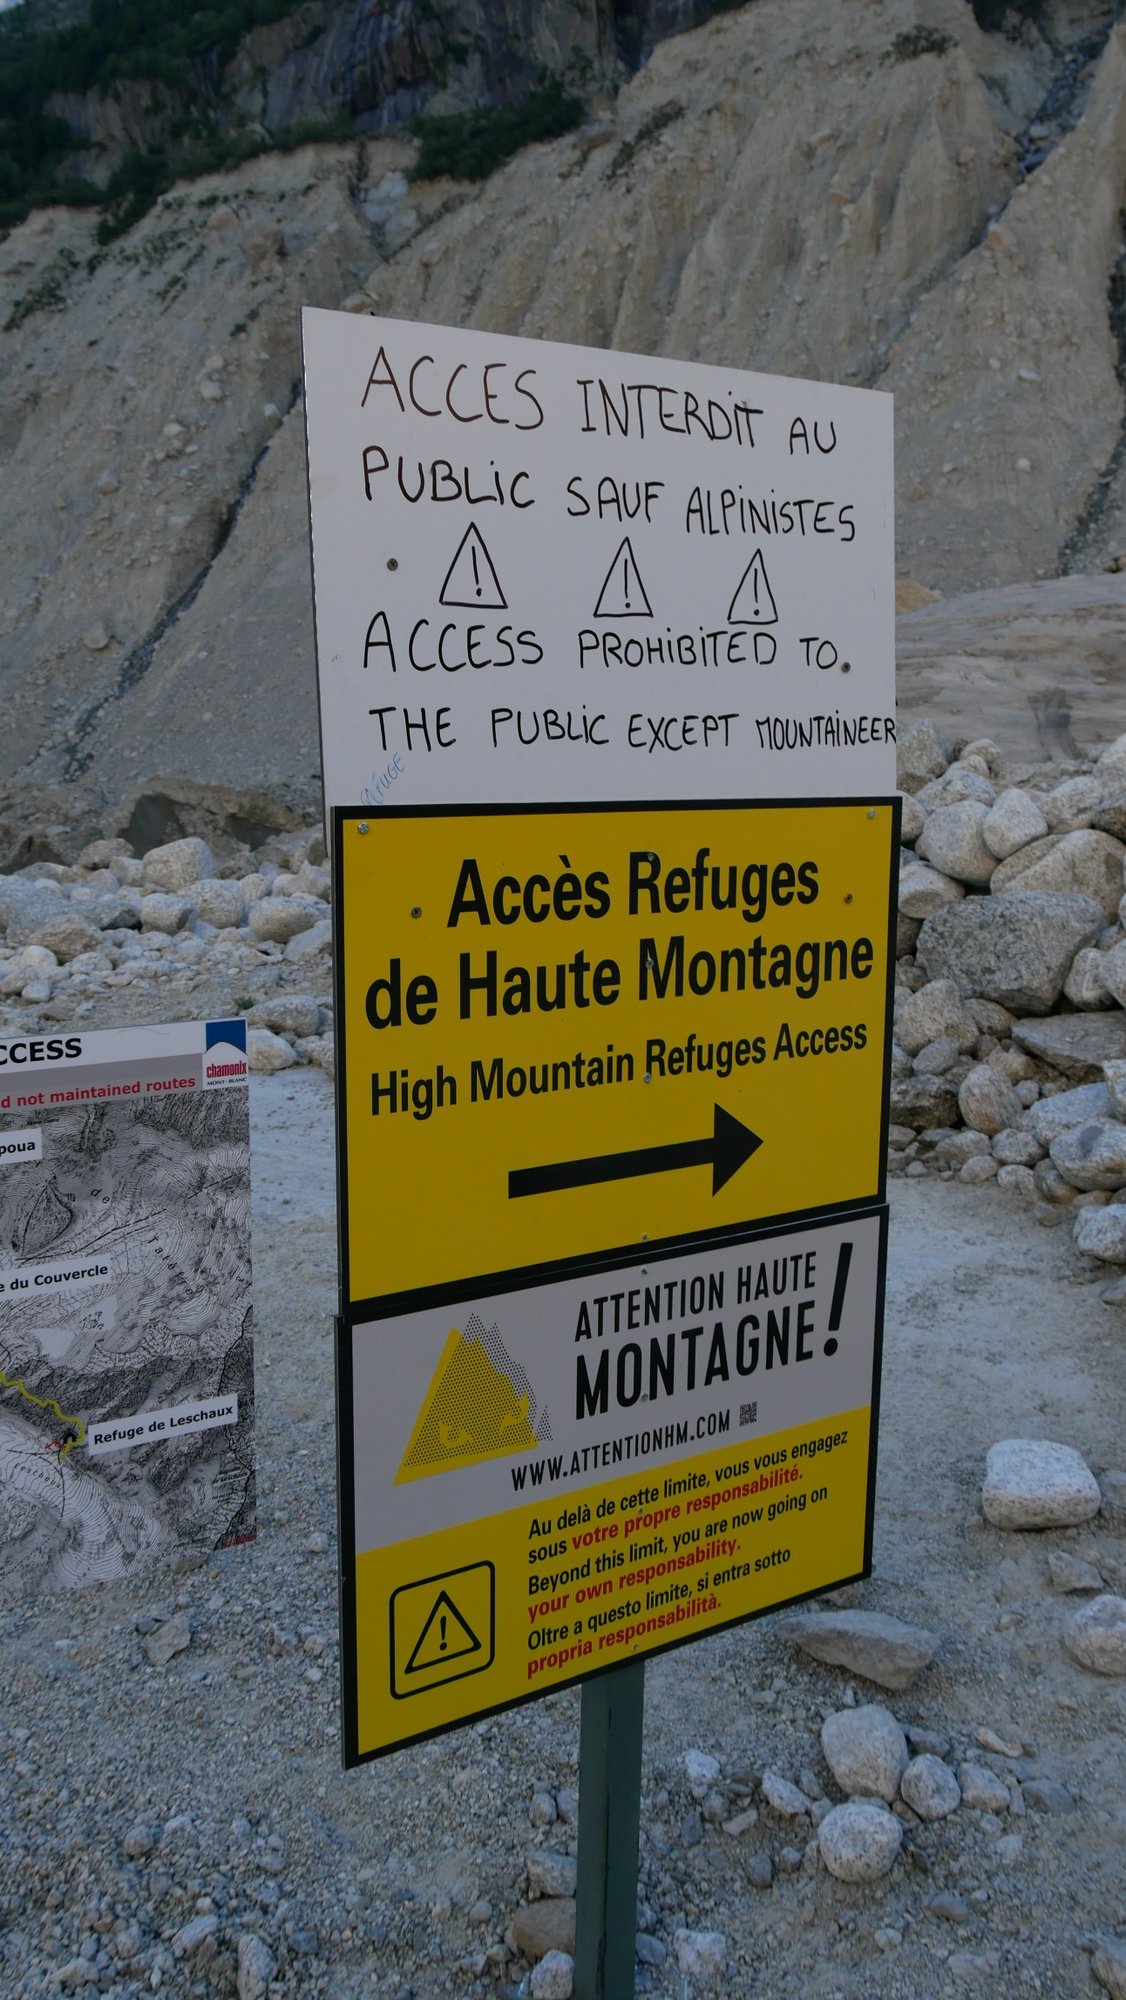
pixel 870 1643
pixel 1036 1483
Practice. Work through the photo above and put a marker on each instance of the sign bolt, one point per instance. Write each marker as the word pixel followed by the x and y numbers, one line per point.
pixel 417 910
pixel 848 897
pixel 362 827
pixel 392 562
pixel 871 812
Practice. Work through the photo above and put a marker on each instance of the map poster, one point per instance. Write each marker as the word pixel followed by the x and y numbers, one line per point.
pixel 126 1358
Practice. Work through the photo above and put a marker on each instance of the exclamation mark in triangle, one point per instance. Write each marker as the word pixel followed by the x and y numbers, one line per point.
pixel 471 581
pixel 753 602
pixel 623 594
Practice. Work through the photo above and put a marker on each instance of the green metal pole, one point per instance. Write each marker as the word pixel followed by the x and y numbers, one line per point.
pixel 613 1706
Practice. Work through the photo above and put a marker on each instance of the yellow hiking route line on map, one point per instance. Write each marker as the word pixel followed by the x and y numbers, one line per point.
pixel 48 1403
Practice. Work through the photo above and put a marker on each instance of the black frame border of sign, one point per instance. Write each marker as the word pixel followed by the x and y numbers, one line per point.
pixel 347 1326
pixel 380 1304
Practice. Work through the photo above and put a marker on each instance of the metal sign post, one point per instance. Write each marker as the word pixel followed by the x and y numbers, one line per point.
pixel 609 1825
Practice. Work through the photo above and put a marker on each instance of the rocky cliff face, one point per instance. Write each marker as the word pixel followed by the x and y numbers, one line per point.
pixel 835 192
pixel 379 65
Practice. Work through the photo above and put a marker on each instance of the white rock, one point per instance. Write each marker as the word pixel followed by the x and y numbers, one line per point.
pixel 1081 863
pixel 923 890
pixel 783 1796
pixel 1011 822
pixel 1101 1232
pixel 256 1967
pixel 952 842
pixel 987 1100
pixel 1071 804
pixel 194 1933
pixel 1036 1483
pixel 701 1772
pixel 316 942
pixel 267 1052
pixel 1114 970
pixel 554 1977
pixel 982 1790
pixel 920 754
pixel 219 902
pixel 912 820
pixel 937 1009
pixel 279 918
pixel 980 1169
pixel 960 782
pixel 1067 1573
pixel 1114 1075
pixel 1050 1116
pixel 165 913
pixel 177 864
pixel 1092 1155
pixel 701 1955
pixel 859 1842
pixel 1085 985
pixel 173 1637
pixel 930 1787
pixel 1096 1635
pixel 866 1750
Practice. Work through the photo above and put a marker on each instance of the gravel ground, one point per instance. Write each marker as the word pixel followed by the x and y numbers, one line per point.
pixel 186 1828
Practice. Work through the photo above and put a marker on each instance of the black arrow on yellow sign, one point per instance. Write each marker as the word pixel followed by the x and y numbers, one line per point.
pixel 730 1145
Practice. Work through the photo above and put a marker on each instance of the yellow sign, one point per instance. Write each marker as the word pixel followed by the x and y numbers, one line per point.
pixel 599 1463
pixel 568 1031
pixel 578 1583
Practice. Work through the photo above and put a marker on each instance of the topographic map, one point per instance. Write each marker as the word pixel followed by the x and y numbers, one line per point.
pixel 126 1359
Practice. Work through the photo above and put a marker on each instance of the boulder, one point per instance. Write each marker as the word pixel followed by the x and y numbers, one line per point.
pixel 1050 1116
pixel 1016 949
pixel 936 1009
pixel 987 1100
pixel 866 1750
pixel 957 784
pixel 1101 1233
pixel 1081 863
pixel 920 754
pixel 280 918
pixel 922 1101
pixel 952 842
pixel 548 1925
pixel 871 1643
pixel 177 864
pixel 1092 1155
pixel 1076 1044
pixel 1035 1483
pixel 859 1842
pixel 1114 971
pixel 1085 985
pixel 1096 1635
pixel 1013 820
pixel 1069 806
pixel 922 889
pixel 912 819
pixel 930 1788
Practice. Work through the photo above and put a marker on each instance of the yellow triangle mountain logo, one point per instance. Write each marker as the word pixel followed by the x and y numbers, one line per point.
pixel 480 1405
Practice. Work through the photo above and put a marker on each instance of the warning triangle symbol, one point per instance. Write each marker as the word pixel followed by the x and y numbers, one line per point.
pixel 446 1635
pixel 623 593
pixel 471 581
pixel 753 602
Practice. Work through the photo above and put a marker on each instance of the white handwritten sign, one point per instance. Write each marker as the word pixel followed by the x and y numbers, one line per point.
pixel 547 572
